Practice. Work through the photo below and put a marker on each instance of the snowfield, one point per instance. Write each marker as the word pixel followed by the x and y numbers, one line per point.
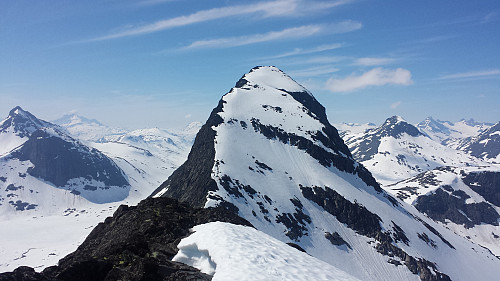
pixel 234 252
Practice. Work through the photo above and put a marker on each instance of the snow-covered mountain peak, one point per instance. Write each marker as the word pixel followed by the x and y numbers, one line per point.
pixel 272 77
pixel 270 155
pixel 70 120
pixel 471 122
pixel 486 145
pixel 429 124
pixel 396 126
pixel 21 123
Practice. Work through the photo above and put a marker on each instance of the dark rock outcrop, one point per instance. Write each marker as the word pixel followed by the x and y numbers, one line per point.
pixel 137 243
pixel 486 184
pixel 366 223
pixel 440 205
pixel 57 160
pixel 192 180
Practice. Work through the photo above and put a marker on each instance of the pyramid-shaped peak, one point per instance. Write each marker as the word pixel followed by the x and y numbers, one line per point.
pixel 22 122
pixel 17 111
pixel 397 125
pixel 395 120
pixel 272 77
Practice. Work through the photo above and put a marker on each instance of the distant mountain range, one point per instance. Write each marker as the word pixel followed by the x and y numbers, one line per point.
pixel 450 134
pixel 267 177
pixel 397 150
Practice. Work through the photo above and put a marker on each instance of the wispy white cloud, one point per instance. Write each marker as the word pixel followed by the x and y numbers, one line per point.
pixel 313 71
pixel 265 9
pixel 395 105
pixel 300 51
pixel 288 33
pixel 434 39
pixel 473 74
pixel 492 16
pixel 152 2
pixel 375 77
pixel 374 61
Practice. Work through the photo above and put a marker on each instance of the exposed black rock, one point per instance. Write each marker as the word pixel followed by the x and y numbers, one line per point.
pixel 399 234
pixel 137 243
pixel 440 205
pixel 263 166
pixel 426 239
pixel 366 223
pixel 355 216
pixel 192 180
pixel 21 206
pixel 12 187
pixel 325 158
pixel 336 239
pixel 293 245
pixel 486 184
pixel 57 161
pixel 296 222
pixel 433 230
pixel 486 145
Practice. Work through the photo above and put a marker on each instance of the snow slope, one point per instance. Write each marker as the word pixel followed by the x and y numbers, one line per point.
pixel 234 252
pixel 269 153
pixel 464 199
pixel 397 150
pixel 486 145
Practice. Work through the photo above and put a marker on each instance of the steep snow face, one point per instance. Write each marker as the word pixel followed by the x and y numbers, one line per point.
pixel 397 150
pixel 464 199
pixel 269 153
pixel 234 252
pixel 486 145
pixel 451 134
pixel 86 129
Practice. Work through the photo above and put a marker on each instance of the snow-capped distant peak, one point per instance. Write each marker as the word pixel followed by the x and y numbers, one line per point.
pixel 395 126
pixel 395 120
pixel 86 129
pixel 70 120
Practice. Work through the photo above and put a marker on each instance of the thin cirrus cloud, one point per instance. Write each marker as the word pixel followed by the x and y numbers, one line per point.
pixel 473 74
pixel 314 71
pixel 395 105
pixel 375 77
pixel 267 9
pixel 288 33
pixel 300 51
pixel 374 61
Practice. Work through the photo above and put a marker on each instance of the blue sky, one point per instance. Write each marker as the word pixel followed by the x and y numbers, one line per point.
pixel 147 63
